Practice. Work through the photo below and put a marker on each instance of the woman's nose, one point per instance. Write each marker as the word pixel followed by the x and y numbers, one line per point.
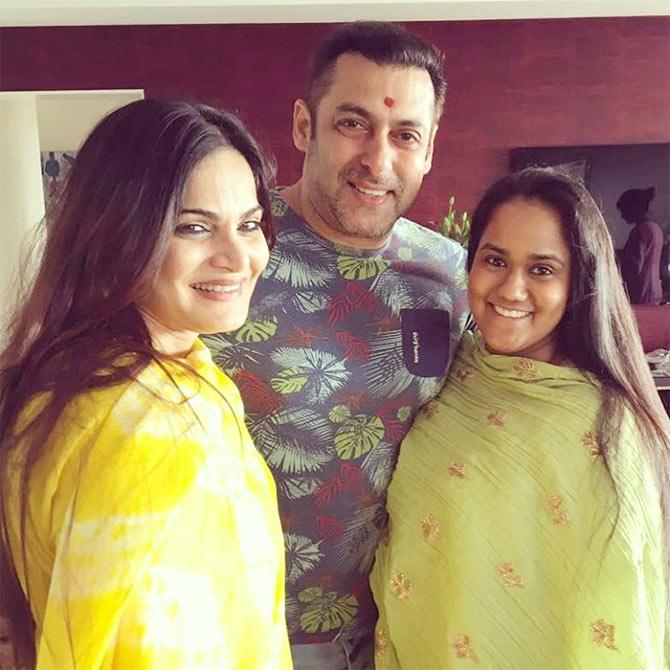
pixel 229 253
pixel 513 287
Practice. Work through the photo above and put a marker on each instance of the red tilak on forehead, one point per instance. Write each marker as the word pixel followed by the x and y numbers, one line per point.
pixel 389 102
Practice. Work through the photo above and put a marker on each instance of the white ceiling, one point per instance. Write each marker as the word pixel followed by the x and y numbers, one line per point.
pixel 121 12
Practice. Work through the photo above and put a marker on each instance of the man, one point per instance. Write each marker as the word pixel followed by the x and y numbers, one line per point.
pixel 352 326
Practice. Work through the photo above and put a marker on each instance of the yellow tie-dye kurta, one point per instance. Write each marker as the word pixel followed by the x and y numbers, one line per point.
pixel 501 553
pixel 153 539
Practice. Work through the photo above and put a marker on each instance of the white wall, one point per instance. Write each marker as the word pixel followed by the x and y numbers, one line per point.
pixel 65 118
pixel 32 122
pixel 21 197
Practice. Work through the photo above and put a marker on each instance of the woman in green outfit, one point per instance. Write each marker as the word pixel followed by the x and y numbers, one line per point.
pixel 529 508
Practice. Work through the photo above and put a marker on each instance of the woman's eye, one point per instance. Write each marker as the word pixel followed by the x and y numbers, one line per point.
pixel 542 270
pixel 191 229
pixel 495 261
pixel 250 226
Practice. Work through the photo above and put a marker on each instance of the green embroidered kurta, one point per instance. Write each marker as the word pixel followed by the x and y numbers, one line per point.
pixel 509 547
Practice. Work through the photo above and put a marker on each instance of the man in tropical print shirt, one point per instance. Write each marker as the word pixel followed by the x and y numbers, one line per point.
pixel 352 326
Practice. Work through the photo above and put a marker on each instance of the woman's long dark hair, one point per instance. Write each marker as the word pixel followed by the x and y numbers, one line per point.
pixel 598 332
pixel 105 244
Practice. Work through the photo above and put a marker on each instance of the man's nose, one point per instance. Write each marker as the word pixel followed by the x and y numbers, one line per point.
pixel 378 155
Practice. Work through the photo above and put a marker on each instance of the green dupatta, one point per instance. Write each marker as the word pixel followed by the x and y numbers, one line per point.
pixel 508 547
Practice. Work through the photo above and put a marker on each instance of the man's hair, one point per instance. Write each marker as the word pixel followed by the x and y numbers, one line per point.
pixel 382 43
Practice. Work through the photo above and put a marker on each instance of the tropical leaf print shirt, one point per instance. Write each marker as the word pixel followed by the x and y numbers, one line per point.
pixel 340 350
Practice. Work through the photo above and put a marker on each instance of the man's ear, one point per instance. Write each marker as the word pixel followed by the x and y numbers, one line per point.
pixel 302 125
pixel 429 151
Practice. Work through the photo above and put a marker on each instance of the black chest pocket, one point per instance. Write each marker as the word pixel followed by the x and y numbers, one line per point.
pixel 425 341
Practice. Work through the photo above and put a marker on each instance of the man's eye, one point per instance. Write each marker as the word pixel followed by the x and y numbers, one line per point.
pixel 191 229
pixel 350 124
pixel 408 138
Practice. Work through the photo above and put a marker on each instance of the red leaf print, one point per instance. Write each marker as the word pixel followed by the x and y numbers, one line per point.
pixel 349 478
pixel 355 347
pixel 327 490
pixel 394 431
pixel 352 477
pixel 330 527
pixel 258 396
pixel 354 297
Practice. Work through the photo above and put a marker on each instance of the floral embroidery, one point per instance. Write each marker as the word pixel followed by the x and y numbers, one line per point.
pixel 590 443
pixel 497 417
pixel 429 408
pixel 509 575
pixel 401 587
pixel 430 529
pixel 457 470
pixel 602 634
pixel 462 644
pixel 555 506
pixel 463 373
pixel 526 369
pixel 381 642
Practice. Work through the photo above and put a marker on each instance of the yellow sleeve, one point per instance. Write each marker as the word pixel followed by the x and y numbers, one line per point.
pixel 113 508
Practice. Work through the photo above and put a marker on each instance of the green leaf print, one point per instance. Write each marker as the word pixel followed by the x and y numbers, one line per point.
pixel 296 263
pixel 277 433
pixel 288 381
pixel 326 374
pixel 292 610
pixel 339 414
pixel 357 546
pixel 310 595
pixel 358 435
pixel 297 487
pixel 302 556
pixel 360 268
pixel 392 290
pixel 326 611
pixel 257 331
pixel 378 466
pixel 290 458
pixel 385 370
pixel 309 302
pixel 278 207
pixel 404 413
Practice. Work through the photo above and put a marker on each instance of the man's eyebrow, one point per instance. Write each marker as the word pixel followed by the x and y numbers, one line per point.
pixel 351 108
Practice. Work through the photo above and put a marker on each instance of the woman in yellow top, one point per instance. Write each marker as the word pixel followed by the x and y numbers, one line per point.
pixel 527 510
pixel 140 526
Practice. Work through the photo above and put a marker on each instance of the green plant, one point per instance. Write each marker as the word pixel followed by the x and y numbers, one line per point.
pixel 456 226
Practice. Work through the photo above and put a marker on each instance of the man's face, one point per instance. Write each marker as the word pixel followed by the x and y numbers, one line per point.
pixel 367 150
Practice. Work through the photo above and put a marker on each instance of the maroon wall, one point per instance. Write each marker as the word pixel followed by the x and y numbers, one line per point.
pixel 512 83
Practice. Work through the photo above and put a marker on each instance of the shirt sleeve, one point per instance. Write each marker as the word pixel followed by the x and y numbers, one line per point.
pixel 116 501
